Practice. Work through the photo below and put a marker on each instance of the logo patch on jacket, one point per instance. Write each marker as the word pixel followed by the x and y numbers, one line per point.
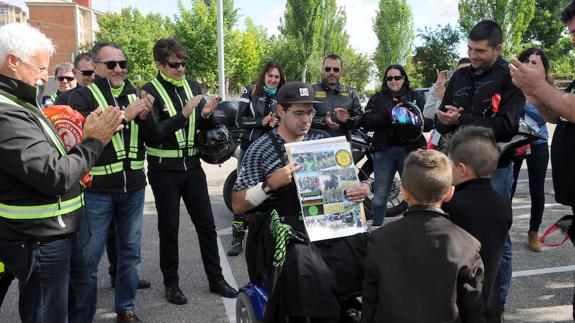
pixel 320 94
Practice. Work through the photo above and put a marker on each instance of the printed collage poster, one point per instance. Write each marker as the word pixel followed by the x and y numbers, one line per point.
pixel 327 172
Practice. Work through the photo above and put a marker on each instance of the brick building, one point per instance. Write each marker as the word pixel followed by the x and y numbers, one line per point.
pixel 70 25
pixel 11 14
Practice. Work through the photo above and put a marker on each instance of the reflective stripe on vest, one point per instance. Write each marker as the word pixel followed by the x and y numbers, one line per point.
pixel 54 96
pixel 31 212
pixel 115 168
pixel 41 211
pixel 117 138
pixel 180 134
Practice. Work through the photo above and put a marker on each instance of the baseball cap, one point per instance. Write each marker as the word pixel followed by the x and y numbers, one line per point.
pixel 296 92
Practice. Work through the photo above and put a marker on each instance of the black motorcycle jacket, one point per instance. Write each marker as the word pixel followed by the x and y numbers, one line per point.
pixel 162 131
pixel 34 173
pixel 488 99
pixel 340 97
pixel 129 179
pixel 252 109
pixel 377 116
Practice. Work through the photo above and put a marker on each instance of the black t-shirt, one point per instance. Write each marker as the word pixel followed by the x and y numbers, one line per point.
pixel 563 159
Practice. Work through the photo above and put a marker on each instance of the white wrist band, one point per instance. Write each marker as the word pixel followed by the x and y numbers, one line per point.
pixel 255 195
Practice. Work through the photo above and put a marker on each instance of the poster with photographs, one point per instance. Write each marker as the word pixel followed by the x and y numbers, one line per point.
pixel 327 172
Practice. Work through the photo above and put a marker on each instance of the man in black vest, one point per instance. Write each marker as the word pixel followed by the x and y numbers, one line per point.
pixel 174 168
pixel 118 180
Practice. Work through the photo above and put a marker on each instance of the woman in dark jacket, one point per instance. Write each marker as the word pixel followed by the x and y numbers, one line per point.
pixel 256 114
pixel 389 150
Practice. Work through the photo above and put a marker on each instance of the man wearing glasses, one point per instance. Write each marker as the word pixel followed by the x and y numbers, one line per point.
pixel 64 75
pixel 339 111
pixel 116 196
pixel 84 73
pixel 174 168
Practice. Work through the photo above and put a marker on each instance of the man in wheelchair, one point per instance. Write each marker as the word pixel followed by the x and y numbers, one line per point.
pixel 305 281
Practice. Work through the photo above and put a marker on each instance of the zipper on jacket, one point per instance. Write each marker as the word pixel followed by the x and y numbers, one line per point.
pixel 125 180
pixel 184 129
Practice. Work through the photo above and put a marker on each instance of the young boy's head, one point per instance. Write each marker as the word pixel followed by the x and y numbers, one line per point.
pixel 426 178
pixel 474 153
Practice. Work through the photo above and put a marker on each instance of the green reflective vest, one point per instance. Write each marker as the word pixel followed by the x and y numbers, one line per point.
pixel 181 133
pixel 30 212
pixel 117 140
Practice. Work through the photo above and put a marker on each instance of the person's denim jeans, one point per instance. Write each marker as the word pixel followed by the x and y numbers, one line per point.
pixel 79 289
pixel 502 183
pixel 125 210
pixel 43 272
pixel 386 163
pixel 537 163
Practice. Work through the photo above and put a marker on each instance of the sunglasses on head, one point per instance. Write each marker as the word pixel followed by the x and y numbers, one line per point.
pixel 397 78
pixel 87 73
pixel 328 69
pixel 112 64
pixel 176 65
pixel 62 78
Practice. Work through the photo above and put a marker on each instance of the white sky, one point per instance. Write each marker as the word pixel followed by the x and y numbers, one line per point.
pixel 360 14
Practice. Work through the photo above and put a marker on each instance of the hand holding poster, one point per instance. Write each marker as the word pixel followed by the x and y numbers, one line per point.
pixel 327 172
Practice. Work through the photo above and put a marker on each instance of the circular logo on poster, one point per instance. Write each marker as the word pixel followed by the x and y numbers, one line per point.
pixel 313 210
pixel 343 158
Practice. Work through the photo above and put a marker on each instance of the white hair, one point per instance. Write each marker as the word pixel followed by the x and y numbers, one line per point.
pixel 23 41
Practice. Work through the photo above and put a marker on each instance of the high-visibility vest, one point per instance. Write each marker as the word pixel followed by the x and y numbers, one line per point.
pixel 54 96
pixel 30 212
pixel 117 140
pixel 181 133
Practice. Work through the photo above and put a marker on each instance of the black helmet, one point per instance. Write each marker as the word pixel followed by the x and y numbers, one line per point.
pixel 216 145
pixel 225 113
pixel 406 122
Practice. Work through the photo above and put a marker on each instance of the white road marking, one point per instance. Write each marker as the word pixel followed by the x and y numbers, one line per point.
pixel 229 303
pixel 543 271
pixel 527 180
pixel 528 206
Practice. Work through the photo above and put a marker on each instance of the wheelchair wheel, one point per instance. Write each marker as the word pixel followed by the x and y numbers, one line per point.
pixel 244 310
pixel 227 192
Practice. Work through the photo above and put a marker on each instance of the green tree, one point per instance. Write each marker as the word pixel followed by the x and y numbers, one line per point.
pixel 437 52
pixel 136 34
pixel 393 26
pixel 545 29
pixel 301 27
pixel 357 68
pixel 512 15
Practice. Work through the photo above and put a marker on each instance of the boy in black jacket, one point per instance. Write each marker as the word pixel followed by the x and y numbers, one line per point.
pixel 423 268
pixel 476 207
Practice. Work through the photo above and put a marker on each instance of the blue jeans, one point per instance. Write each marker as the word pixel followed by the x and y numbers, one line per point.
pixel 126 212
pixel 43 272
pixel 502 183
pixel 79 289
pixel 385 163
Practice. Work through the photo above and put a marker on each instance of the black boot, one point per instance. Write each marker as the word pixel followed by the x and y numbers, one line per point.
pixel 238 231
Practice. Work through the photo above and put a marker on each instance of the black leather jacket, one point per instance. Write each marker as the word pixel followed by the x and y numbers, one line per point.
pixel 251 111
pixel 340 97
pixel 32 171
pixel 476 95
pixel 377 116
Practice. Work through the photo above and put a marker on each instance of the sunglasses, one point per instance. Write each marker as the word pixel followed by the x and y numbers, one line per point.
pixel 87 73
pixel 112 64
pixel 176 65
pixel 391 78
pixel 328 69
pixel 62 78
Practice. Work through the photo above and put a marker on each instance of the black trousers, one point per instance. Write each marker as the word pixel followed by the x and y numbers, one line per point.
pixel 169 187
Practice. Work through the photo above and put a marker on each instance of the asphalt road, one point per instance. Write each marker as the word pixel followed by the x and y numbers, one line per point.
pixel 542 286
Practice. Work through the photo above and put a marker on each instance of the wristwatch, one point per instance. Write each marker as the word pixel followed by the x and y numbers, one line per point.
pixel 266 188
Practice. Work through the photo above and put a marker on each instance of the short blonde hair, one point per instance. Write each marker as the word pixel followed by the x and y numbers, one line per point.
pixel 427 175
